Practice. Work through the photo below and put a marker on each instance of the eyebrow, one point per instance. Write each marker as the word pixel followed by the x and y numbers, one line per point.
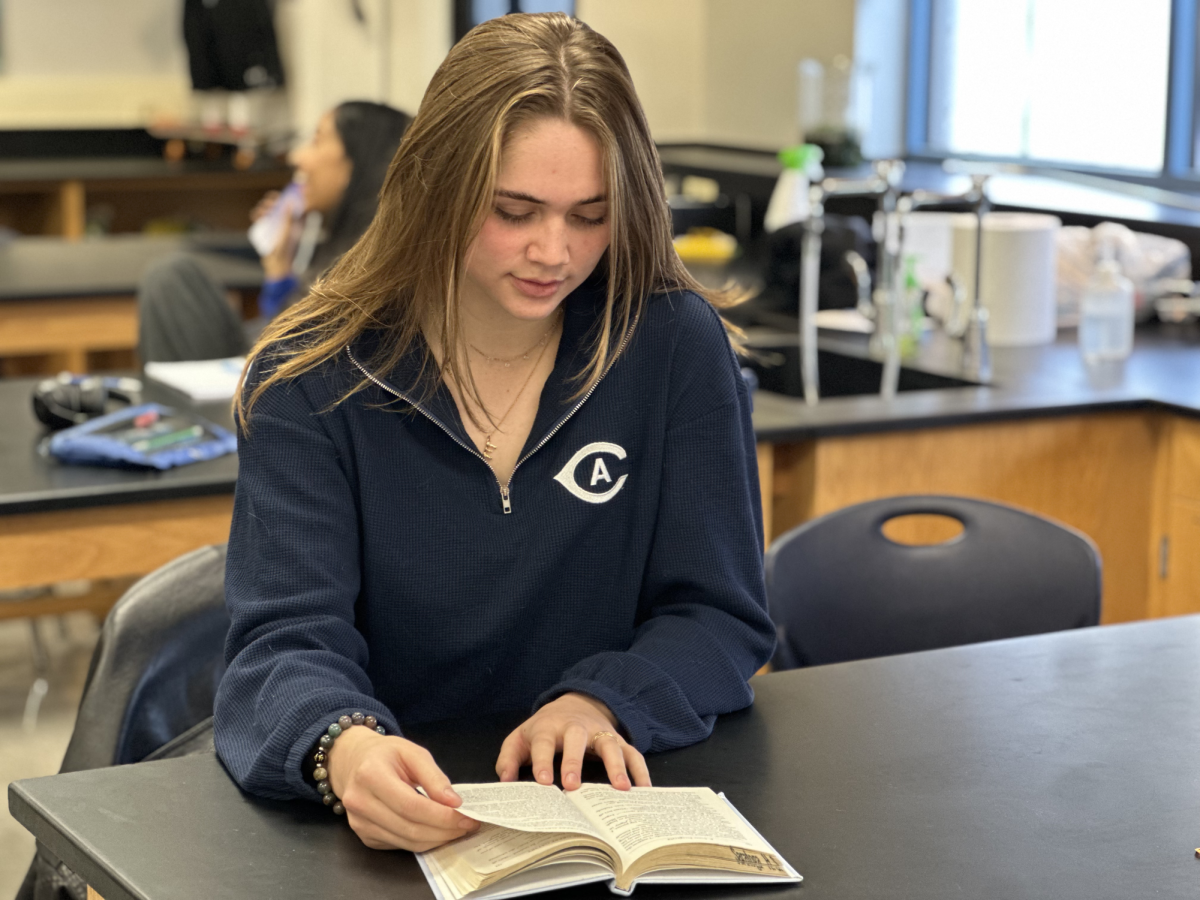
pixel 526 198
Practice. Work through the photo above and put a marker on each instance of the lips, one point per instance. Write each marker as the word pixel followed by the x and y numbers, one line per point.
pixel 532 288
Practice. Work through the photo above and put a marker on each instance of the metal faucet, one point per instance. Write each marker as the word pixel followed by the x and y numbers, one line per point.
pixel 884 184
pixel 878 301
pixel 966 321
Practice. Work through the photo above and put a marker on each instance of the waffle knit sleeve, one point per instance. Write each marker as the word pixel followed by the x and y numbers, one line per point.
pixel 295 660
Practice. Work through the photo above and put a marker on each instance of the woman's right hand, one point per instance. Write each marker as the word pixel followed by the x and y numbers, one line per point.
pixel 376 778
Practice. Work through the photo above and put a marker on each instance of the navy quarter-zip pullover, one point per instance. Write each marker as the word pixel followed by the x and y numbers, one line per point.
pixel 376 564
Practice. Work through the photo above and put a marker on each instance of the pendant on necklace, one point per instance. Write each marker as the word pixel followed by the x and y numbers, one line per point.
pixel 488 447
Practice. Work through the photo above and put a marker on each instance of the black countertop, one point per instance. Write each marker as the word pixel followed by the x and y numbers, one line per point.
pixel 1132 204
pixel 1163 373
pixel 30 482
pixel 123 168
pixel 1052 380
pixel 1054 766
pixel 42 267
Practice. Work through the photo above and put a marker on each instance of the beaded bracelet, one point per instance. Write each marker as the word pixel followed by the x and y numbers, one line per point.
pixel 321 756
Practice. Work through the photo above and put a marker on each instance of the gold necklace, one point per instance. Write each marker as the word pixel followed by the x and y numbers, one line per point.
pixel 488 446
pixel 508 362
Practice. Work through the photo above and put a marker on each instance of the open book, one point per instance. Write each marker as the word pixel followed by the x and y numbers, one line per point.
pixel 537 838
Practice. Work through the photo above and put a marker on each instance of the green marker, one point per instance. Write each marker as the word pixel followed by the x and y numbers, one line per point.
pixel 166 440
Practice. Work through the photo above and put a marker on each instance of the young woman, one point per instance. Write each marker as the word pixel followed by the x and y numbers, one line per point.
pixel 183 314
pixel 499 459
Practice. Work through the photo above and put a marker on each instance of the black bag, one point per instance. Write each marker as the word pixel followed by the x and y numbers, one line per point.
pixel 837 289
pixel 231 45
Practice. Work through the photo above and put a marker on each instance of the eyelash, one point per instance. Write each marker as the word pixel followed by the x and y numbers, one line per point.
pixel 516 220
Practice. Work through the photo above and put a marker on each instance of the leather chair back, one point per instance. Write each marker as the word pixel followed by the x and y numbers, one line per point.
pixel 155 670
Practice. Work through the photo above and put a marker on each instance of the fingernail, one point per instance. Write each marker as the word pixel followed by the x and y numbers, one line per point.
pixel 467 824
pixel 571 779
pixel 544 776
pixel 451 794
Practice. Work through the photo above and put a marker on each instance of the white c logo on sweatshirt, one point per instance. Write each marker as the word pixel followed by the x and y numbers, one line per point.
pixel 599 475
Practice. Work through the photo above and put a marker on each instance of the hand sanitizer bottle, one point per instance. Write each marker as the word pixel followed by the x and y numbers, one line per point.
pixel 1106 314
pixel 789 200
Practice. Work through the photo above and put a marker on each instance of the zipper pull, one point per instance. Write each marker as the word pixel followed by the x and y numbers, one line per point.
pixel 505 499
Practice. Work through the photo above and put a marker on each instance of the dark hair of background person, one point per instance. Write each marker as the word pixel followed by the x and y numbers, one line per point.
pixel 370 134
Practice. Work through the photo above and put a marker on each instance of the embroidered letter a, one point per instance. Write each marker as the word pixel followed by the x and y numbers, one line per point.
pixel 599 472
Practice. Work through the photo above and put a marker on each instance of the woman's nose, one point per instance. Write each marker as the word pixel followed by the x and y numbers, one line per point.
pixel 549 246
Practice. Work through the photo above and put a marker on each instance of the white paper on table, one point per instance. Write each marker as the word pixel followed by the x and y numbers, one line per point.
pixel 205 381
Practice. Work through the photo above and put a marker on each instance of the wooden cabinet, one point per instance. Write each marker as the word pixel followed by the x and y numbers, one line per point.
pixel 1126 479
pixel 1176 540
pixel 1179 559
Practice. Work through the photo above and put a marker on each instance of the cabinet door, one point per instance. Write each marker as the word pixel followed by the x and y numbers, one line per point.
pixel 1181 588
pixel 1185 469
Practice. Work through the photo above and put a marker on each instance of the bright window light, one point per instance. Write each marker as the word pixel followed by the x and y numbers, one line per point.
pixel 1068 81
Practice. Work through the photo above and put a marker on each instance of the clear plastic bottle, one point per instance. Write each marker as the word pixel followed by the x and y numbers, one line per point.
pixel 1106 315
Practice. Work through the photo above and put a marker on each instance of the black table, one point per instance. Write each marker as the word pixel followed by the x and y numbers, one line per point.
pixel 47 267
pixel 60 522
pixel 1056 766
pixel 31 482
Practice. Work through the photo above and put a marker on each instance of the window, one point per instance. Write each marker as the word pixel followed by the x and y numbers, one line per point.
pixel 1085 83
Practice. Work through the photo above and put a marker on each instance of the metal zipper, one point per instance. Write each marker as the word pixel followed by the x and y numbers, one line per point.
pixel 435 420
pixel 505 489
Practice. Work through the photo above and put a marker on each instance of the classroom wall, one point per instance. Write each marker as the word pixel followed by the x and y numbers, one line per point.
pixel 663 44
pixel 722 71
pixel 84 63
pixel 388 57
pixel 751 53
pixel 319 79
pixel 120 63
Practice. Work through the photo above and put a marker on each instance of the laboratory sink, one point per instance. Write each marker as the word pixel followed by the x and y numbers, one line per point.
pixel 776 362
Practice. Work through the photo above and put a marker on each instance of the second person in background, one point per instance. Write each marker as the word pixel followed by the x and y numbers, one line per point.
pixel 184 315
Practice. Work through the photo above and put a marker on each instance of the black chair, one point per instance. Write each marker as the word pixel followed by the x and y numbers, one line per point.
pixel 150 686
pixel 839 589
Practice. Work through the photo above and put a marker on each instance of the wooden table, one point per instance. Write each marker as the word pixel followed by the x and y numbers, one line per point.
pixel 70 302
pixel 1056 766
pixel 60 523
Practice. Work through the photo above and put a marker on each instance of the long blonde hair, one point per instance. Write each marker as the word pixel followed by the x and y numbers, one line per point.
pixel 405 271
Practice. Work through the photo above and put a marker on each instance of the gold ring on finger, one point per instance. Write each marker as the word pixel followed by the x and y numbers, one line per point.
pixel 596 737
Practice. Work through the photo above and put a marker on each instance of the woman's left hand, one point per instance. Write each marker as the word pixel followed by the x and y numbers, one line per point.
pixel 575 724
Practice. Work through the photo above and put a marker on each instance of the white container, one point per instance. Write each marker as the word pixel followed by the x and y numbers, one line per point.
pixel 929 238
pixel 1106 315
pixel 1018 277
pixel 789 201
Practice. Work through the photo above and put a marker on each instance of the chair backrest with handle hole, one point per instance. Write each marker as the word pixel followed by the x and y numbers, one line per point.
pixel 839 589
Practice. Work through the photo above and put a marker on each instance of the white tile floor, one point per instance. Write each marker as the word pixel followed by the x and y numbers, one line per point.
pixel 29 754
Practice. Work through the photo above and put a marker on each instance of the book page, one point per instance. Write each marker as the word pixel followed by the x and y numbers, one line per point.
pixel 524 806
pixel 493 849
pixel 639 820
pixel 561 870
